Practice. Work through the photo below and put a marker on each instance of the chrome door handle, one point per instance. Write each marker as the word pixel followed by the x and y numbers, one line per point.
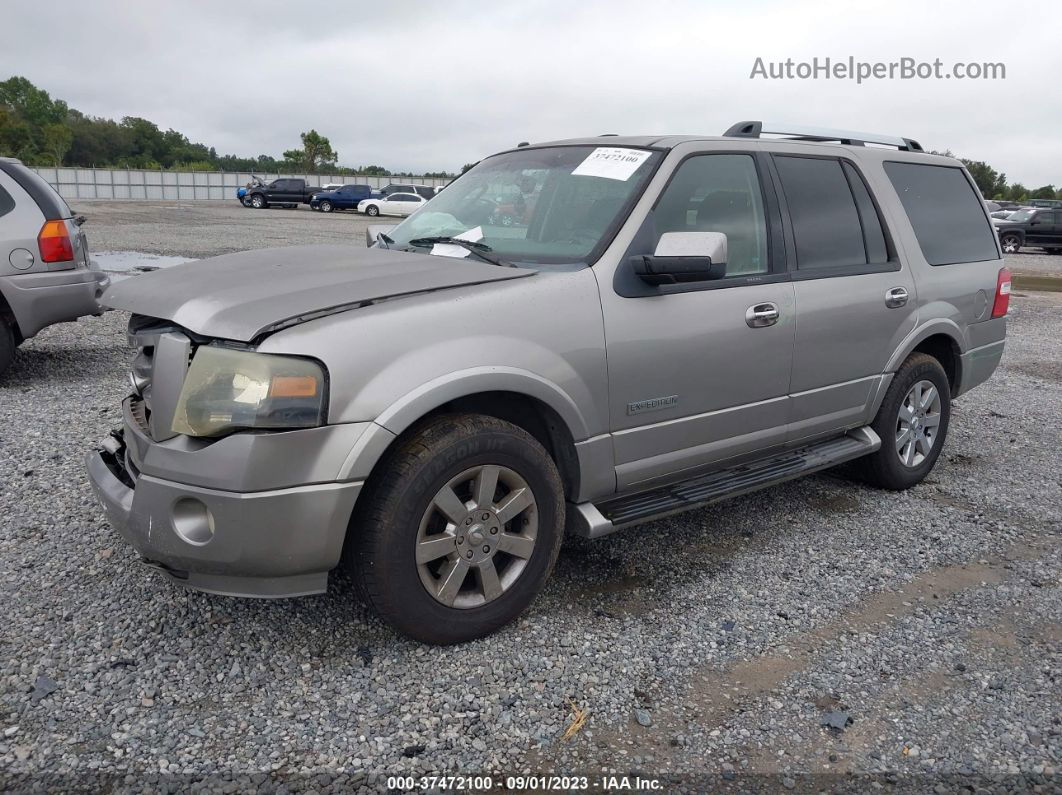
pixel 760 315
pixel 896 297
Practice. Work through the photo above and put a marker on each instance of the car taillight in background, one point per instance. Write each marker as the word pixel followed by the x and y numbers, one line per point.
pixel 1002 303
pixel 54 242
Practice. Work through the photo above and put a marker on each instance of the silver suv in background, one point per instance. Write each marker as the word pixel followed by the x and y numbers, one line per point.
pixel 46 275
pixel 667 322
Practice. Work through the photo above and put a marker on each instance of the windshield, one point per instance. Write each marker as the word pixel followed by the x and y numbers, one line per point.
pixel 534 206
pixel 1021 216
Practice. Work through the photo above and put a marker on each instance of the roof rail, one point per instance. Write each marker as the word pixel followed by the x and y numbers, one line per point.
pixel 754 129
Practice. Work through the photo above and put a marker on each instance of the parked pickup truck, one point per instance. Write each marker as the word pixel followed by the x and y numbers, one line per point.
pixel 286 192
pixel 674 321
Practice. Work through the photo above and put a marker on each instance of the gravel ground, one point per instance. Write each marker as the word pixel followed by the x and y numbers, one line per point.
pixel 706 650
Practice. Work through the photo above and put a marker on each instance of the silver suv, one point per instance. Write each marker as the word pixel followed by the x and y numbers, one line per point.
pixel 46 275
pixel 666 323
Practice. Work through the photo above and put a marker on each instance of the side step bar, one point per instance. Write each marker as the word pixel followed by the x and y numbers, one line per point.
pixel 593 521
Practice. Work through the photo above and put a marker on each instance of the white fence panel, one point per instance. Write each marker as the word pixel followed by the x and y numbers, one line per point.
pixel 134 184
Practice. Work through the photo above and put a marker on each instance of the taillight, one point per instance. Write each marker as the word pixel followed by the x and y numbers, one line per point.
pixel 999 308
pixel 54 242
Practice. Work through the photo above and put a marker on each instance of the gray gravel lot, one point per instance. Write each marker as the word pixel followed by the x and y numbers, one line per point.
pixel 707 649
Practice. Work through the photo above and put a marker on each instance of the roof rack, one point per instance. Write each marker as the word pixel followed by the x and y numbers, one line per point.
pixel 755 129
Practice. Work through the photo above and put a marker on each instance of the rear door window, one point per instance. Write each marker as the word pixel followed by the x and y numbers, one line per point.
pixel 826 222
pixel 946 212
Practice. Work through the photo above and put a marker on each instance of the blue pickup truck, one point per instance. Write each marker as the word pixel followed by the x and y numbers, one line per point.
pixel 344 198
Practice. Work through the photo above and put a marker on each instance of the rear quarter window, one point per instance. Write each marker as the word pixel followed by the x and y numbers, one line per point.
pixel 7 204
pixel 945 211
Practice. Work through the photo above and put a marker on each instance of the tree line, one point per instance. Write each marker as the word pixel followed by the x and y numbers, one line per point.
pixel 41 131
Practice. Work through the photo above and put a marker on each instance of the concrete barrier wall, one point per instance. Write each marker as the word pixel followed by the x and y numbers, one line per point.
pixel 114 183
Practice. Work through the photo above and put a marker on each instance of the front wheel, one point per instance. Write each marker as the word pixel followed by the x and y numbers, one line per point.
pixel 912 423
pixel 459 530
pixel 372 210
pixel 1011 243
pixel 325 206
pixel 258 201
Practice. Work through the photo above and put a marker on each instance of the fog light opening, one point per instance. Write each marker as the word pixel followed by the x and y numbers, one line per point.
pixel 192 521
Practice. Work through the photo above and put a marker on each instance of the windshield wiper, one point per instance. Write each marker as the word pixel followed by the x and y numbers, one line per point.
pixel 481 250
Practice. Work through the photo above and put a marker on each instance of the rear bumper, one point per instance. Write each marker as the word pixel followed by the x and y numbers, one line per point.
pixel 42 299
pixel 978 364
pixel 271 544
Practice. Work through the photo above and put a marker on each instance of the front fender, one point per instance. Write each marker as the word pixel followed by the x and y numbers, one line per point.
pixel 462 383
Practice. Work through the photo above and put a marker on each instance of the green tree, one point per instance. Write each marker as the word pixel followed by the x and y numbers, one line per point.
pixel 55 143
pixel 989 181
pixel 1046 192
pixel 468 167
pixel 1017 192
pixel 33 105
pixel 316 153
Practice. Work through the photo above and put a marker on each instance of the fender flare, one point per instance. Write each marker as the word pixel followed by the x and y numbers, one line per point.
pixel 945 326
pixel 427 397
pixel 462 383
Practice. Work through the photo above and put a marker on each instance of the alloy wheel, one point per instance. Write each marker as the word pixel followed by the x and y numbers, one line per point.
pixel 917 423
pixel 477 536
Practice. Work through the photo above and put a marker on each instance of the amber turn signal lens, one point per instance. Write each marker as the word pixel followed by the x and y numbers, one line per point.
pixel 54 242
pixel 292 386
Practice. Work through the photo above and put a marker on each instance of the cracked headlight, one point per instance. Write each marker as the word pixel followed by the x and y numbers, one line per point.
pixel 227 390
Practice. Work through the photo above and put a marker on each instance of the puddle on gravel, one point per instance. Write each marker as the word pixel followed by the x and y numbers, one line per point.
pixel 122 264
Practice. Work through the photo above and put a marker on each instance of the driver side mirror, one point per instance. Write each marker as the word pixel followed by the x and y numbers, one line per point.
pixel 682 257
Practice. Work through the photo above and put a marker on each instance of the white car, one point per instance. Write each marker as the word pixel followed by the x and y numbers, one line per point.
pixel 395 204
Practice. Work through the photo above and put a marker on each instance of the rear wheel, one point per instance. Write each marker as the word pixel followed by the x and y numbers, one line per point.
pixel 912 423
pixel 325 206
pixel 459 530
pixel 1011 243
pixel 7 345
pixel 258 201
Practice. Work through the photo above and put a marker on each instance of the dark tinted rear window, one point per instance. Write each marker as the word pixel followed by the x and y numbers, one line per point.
pixel 52 205
pixel 825 220
pixel 947 214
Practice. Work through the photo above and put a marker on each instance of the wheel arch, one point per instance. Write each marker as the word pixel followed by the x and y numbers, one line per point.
pixel 523 398
pixel 7 315
pixel 941 339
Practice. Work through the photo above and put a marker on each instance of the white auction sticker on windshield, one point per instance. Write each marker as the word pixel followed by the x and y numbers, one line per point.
pixel 611 162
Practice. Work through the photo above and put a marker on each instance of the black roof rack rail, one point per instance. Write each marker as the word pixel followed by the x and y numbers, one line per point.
pixel 755 129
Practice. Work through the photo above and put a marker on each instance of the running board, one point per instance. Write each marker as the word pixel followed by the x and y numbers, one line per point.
pixel 593 521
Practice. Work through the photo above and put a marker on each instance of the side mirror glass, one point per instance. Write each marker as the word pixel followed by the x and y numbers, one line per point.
pixel 682 257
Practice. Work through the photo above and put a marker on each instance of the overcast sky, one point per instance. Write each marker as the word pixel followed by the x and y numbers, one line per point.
pixel 432 85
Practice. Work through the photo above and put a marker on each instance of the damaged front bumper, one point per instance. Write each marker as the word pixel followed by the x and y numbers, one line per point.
pixel 271 543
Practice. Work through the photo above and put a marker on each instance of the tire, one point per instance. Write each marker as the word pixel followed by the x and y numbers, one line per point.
pixel 325 206
pixel 1010 242
pixel 7 345
pixel 1054 250
pixel 245 202
pixel 372 210
pixel 259 202
pixel 407 582
pixel 901 463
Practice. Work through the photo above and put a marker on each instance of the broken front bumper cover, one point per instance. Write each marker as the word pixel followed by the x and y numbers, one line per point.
pixel 270 544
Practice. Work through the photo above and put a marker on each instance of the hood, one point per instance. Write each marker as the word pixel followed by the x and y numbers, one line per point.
pixel 242 296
